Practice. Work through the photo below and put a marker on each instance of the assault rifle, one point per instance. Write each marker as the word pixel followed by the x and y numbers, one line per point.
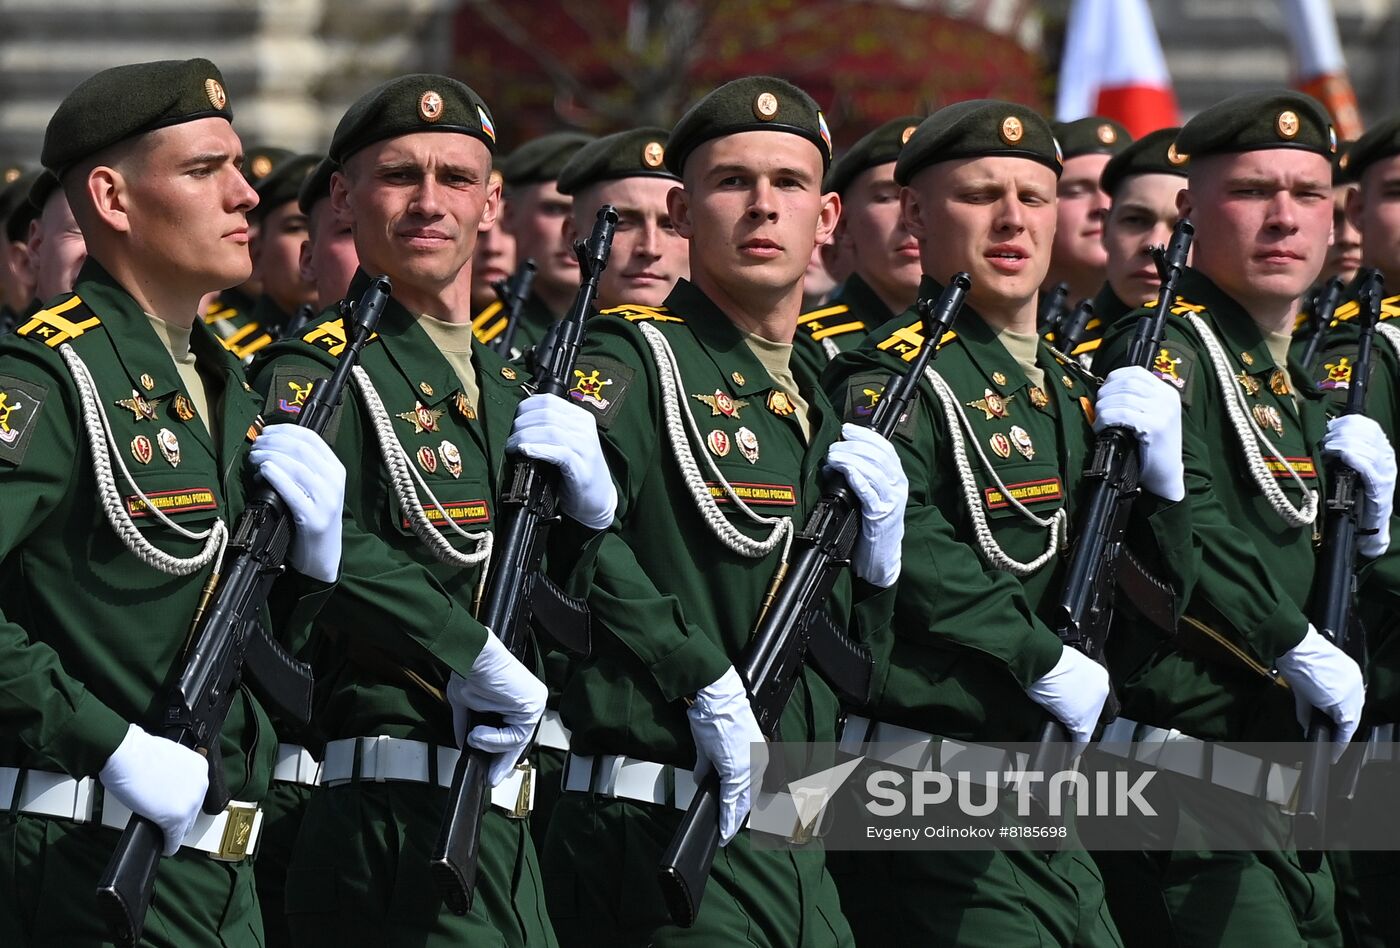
pixel 527 508
pixel 1336 583
pixel 1086 605
pixel 1072 328
pixel 230 644
pixel 1051 310
pixel 512 293
pixel 1324 305
pixel 794 620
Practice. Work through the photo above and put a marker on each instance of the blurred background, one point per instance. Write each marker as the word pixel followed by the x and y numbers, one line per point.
pixel 292 66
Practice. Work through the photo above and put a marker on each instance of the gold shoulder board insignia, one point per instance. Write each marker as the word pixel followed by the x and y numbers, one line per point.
pixel 1182 307
pixel 1346 312
pixel 330 336
pixel 634 313
pixel 822 313
pixel 906 340
pixel 486 326
pixel 51 326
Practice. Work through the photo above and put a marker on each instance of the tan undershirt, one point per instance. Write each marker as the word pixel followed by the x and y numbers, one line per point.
pixel 1024 346
pixel 777 359
pixel 177 342
pixel 454 341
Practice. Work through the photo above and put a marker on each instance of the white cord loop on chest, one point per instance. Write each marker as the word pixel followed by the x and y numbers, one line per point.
pixel 987 544
pixel 1252 436
pixel 404 476
pixel 104 450
pixel 1391 335
pixel 679 421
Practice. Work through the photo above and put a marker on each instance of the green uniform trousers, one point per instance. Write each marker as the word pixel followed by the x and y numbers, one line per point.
pixel 282 811
pixel 359 874
pixel 1189 897
pixel 974 899
pixel 549 779
pixel 600 879
pixel 48 876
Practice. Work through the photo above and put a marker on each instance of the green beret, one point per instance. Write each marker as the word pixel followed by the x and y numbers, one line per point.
pixel 126 101
pixel 44 186
pixel 754 104
pixel 418 103
pixel 15 206
pixel 283 184
pixel 316 185
pixel 1252 121
pixel 15 192
pixel 879 147
pixel 1380 143
pixel 639 153
pixel 542 159
pixel 259 161
pixel 1153 153
pixel 979 128
pixel 1094 135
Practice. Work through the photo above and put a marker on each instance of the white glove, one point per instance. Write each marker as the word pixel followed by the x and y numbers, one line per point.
pixel 1074 691
pixel 163 781
pixel 1134 398
pixel 1324 677
pixel 871 467
pixel 552 429
pixel 723 725
pixel 1361 444
pixel 498 683
pixel 302 468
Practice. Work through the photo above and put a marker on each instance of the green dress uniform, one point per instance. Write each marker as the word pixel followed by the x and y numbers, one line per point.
pixel 678 584
pixel 840 324
pixel 232 317
pixel 533 322
pixel 400 621
pixel 992 433
pixel 1369 916
pixel 92 634
pixel 1213 679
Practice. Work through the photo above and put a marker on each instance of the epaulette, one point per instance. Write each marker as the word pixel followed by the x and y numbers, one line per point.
pixel 218 311
pixel 1180 308
pixel 812 322
pixel 330 335
pixel 906 341
pixel 1299 322
pixel 53 328
pixel 635 313
pixel 247 340
pixel 1346 312
pixel 485 325
pixel 1390 307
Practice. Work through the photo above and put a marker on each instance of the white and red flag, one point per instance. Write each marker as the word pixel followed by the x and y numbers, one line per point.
pixel 1319 68
pixel 1113 66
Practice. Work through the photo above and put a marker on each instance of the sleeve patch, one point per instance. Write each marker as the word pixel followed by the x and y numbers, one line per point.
pixel 1333 373
pixel 20 404
pixel 291 386
pixel 600 386
pixel 1175 365
pixel 863 394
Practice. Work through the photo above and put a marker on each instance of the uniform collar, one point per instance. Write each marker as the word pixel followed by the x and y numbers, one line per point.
pixel 1239 334
pixel 410 349
pixel 864 302
pixel 1002 373
pixel 143 356
pixel 1108 308
pixel 743 373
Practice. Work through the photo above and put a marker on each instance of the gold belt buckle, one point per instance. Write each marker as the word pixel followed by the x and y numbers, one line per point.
pixel 522 799
pixel 238 832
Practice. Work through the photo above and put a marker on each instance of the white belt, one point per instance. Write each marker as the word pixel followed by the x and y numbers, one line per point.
pixel 553 734
pixel 912 749
pixel 228 836
pixel 392 758
pixel 627 778
pixel 1170 750
pixel 295 764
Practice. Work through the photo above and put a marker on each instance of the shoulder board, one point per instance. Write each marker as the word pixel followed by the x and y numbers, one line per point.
pixel 1390 307
pixel 217 311
pixel 62 323
pixel 247 340
pixel 906 341
pixel 1346 312
pixel 330 336
pixel 1182 307
pixel 638 314
pixel 485 324
pixel 1299 321
pixel 822 313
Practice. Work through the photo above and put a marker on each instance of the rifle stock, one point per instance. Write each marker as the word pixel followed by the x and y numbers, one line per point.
pixel 1086 605
pixel 773 661
pixel 1336 587
pixel 228 632
pixel 528 507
